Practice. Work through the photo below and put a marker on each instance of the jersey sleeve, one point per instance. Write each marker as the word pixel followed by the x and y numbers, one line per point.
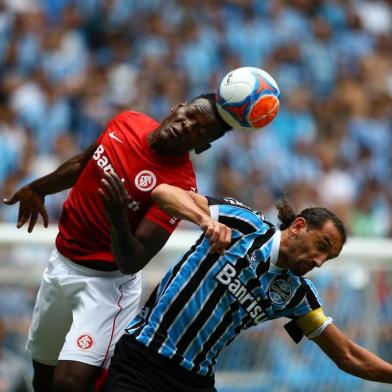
pixel 184 180
pixel 308 317
pixel 161 218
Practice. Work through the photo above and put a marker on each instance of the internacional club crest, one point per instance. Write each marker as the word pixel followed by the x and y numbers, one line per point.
pixel 145 180
pixel 84 342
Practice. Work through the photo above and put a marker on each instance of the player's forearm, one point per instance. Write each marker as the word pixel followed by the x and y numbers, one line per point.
pixel 362 363
pixel 63 177
pixel 179 204
pixel 128 252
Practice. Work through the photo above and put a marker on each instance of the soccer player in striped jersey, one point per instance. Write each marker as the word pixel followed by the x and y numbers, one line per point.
pixel 242 271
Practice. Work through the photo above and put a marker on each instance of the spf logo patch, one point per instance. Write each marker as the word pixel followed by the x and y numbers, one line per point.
pixel 84 342
pixel 145 180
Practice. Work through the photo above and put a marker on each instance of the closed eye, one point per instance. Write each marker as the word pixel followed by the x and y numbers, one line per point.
pixel 322 246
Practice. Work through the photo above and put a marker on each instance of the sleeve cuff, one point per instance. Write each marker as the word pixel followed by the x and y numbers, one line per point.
pixel 321 328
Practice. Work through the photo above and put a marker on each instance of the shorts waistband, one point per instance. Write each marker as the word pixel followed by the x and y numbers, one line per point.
pixel 86 269
pixel 169 366
pixel 97 265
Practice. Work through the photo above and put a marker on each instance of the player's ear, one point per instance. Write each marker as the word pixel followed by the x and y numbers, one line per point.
pixel 199 150
pixel 298 225
pixel 175 107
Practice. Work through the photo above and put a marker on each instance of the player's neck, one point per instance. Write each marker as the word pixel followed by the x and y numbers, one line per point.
pixel 281 261
pixel 162 147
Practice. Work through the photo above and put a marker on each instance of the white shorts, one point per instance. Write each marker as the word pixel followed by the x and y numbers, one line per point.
pixel 80 313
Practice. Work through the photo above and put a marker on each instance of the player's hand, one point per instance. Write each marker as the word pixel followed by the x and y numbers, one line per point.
pixel 218 234
pixel 115 198
pixel 30 205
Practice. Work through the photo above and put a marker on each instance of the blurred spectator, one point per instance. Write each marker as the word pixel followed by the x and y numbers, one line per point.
pixel 12 143
pixel 336 188
pixel 368 212
pixel 13 374
pixel 353 43
pixel 377 66
pixel 376 16
pixel 321 58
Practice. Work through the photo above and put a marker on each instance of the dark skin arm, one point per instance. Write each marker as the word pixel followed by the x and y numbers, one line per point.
pixel 31 197
pixel 131 251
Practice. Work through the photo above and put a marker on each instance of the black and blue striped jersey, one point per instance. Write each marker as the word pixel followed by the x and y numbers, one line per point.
pixel 206 299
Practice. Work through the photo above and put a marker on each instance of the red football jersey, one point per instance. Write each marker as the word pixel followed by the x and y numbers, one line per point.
pixel 84 230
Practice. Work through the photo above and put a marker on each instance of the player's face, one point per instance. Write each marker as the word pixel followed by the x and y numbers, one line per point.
pixel 189 126
pixel 310 248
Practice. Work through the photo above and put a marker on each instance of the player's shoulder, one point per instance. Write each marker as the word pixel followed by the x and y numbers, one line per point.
pixel 232 205
pixel 308 284
pixel 312 296
pixel 135 117
pixel 131 125
pixel 229 201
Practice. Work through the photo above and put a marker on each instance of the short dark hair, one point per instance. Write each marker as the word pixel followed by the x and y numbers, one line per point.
pixel 315 217
pixel 211 97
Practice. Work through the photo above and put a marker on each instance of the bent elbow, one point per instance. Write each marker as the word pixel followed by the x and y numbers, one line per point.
pixel 158 191
pixel 127 270
pixel 131 268
pixel 345 362
pixel 342 363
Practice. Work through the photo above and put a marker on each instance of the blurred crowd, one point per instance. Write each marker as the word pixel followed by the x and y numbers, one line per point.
pixel 68 66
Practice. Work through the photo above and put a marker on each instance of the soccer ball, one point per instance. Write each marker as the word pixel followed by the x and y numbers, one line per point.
pixel 248 98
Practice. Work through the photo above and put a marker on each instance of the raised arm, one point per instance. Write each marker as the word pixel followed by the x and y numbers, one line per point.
pixel 32 196
pixel 189 206
pixel 193 207
pixel 352 358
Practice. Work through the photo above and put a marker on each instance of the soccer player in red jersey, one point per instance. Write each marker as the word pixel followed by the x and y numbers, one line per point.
pixel 85 299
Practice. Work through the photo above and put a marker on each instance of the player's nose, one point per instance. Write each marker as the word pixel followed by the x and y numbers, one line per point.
pixel 187 126
pixel 319 261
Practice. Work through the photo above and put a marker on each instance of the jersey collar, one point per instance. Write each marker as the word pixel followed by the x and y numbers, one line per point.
pixel 275 247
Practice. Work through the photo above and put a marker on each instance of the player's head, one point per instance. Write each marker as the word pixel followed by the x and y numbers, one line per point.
pixel 190 126
pixel 309 238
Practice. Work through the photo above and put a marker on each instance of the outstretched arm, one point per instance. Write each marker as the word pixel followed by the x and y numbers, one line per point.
pixel 352 358
pixel 32 196
pixel 193 207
